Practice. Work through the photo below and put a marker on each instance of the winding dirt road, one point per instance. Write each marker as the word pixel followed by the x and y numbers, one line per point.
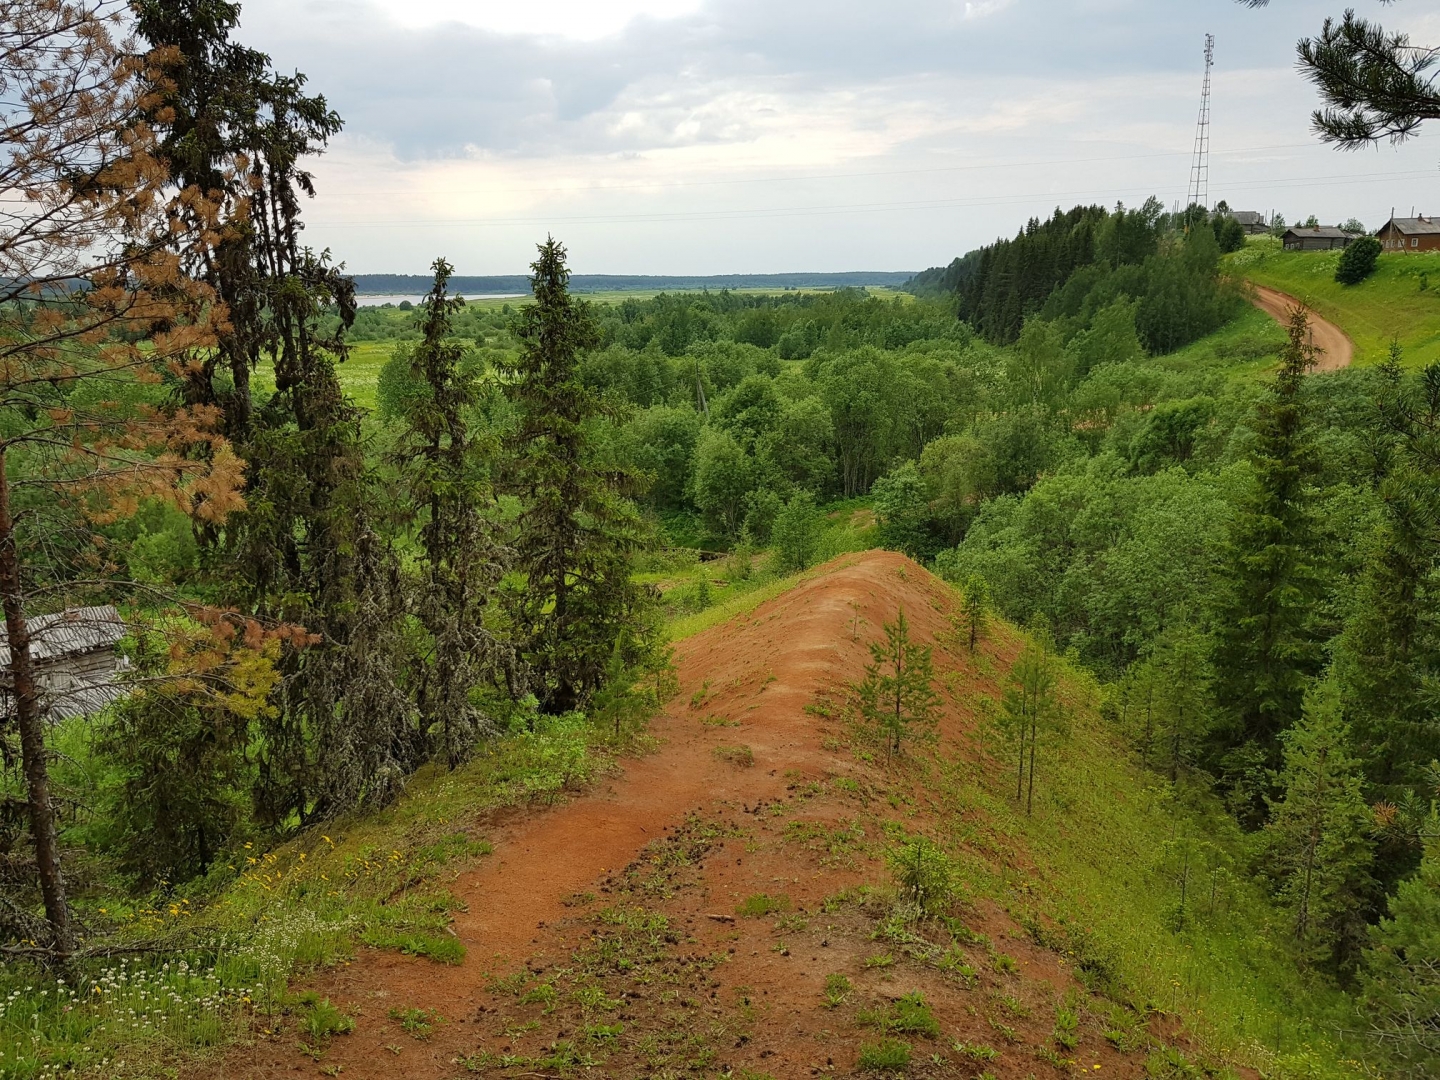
pixel 1334 346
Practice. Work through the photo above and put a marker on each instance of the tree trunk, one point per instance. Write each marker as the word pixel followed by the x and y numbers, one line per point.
pixel 31 725
pixel 1034 737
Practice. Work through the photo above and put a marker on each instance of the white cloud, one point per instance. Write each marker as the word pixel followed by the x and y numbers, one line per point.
pixel 979 9
pixel 584 20
pixel 716 135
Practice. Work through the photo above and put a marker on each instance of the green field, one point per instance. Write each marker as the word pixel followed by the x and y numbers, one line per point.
pixel 1390 304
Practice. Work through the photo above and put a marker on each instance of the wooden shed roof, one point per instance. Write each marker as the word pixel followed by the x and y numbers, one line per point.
pixel 70 633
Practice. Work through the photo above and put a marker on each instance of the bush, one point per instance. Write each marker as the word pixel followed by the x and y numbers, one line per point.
pixel 924 874
pixel 796 532
pixel 1357 262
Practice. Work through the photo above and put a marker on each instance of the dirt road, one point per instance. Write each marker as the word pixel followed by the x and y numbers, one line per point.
pixel 1333 344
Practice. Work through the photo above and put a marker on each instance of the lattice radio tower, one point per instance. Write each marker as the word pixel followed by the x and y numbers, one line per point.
pixel 1199 190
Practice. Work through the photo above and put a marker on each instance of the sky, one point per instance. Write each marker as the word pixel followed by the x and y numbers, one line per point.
pixel 751 136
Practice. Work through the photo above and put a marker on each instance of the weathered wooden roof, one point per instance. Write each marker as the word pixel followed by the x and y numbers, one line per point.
pixel 1413 226
pixel 69 633
pixel 1322 232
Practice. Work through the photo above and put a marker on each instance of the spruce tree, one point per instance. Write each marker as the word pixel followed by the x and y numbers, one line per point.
pixel 444 472
pixel 308 549
pixel 1401 977
pixel 1318 842
pixel 897 693
pixel 1389 649
pixel 1182 691
pixel 1266 650
pixel 578 528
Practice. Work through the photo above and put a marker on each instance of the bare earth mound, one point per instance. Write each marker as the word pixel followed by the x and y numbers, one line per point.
pixel 683 919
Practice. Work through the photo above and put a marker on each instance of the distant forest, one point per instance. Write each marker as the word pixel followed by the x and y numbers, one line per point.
pixel 419 284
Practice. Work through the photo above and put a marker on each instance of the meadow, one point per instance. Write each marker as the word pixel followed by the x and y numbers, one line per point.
pixel 1400 301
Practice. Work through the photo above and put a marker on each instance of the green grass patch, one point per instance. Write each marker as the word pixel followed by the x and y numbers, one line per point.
pixel 1107 897
pixel 762 904
pixel 907 1015
pixel 1388 304
pixel 742 756
pixel 887 1055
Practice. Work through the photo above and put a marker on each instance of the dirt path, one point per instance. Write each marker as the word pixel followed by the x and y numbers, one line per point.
pixel 606 934
pixel 1333 344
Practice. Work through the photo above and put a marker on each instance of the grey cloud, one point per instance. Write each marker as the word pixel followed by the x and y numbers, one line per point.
pixel 454 89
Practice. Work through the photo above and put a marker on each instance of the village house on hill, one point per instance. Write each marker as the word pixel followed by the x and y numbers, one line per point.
pixel 1410 234
pixel 1317 238
pixel 75 662
pixel 1252 222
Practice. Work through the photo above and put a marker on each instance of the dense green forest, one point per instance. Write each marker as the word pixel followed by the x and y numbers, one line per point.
pixel 1083 428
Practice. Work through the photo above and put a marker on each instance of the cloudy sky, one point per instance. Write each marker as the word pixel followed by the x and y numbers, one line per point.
pixel 744 136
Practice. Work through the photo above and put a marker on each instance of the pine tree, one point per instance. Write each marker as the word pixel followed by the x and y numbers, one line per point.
pixel 578 528
pixel 896 693
pixel 1401 977
pixel 1182 685
pixel 445 475
pixel 975 609
pixel 1266 650
pixel 1318 837
pixel 1030 708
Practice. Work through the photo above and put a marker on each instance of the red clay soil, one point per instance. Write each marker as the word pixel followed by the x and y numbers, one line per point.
pixel 607 928
pixel 1333 345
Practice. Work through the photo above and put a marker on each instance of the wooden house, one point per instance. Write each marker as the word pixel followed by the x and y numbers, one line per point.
pixel 1317 238
pixel 76 662
pixel 1410 234
pixel 1252 222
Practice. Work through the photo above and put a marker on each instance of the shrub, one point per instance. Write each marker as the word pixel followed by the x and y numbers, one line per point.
pixel 796 532
pixel 1357 262
pixel 925 875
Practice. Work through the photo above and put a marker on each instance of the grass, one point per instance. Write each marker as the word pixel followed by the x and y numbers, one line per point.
pixel 742 756
pixel 261 917
pixel 1244 348
pixel 907 1015
pixel 1389 304
pixel 887 1055
pixel 1102 894
pixel 761 904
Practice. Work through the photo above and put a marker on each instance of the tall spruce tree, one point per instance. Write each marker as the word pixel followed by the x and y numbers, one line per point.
pixel 306 550
pixel 1388 655
pixel 1401 977
pixel 1266 650
pixel 1319 843
pixel 578 527
pixel 445 475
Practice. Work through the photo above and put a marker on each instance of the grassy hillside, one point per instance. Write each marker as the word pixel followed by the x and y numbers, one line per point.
pixel 1388 304
pixel 1142 889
